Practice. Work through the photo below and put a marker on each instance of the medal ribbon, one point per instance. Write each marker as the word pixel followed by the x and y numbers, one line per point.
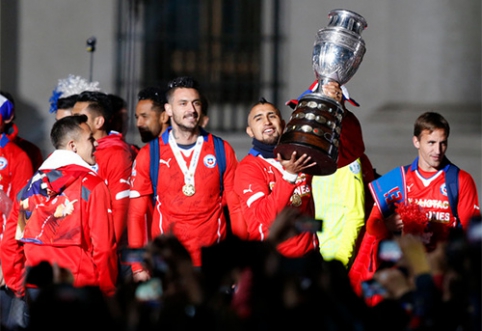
pixel 188 173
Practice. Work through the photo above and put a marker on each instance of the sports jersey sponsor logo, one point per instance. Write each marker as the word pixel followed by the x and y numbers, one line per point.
pixel 443 189
pixel 209 161
pixel 438 216
pixel 248 190
pixel 161 161
pixel 3 163
pixel 303 190
pixel 430 203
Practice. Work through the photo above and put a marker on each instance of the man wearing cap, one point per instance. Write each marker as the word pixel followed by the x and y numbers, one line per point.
pixel 12 176
pixel 11 129
pixel 15 171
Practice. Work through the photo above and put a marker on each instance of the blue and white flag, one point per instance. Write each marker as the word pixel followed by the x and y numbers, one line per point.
pixel 388 190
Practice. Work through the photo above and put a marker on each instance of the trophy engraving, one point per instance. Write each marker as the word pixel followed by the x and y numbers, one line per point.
pixel 315 124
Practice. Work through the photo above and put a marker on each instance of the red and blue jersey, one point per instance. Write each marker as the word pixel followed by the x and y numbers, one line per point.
pixel 198 220
pixel 62 216
pixel 114 159
pixel 264 193
pixel 429 191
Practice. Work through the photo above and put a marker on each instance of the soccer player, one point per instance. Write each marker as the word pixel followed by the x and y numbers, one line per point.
pixel 191 182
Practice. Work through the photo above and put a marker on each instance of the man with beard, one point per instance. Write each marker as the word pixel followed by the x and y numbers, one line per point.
pixel 192 187
pixel 151 119
pixel 266 184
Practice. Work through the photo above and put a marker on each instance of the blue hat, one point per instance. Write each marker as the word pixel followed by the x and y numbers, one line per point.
pixel 7 110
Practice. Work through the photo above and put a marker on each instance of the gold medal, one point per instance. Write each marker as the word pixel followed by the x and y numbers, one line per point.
pixel 296 200
pixel 188 190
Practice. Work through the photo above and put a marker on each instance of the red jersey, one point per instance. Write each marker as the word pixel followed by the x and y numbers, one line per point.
pixel 351 145
pixel 62 216
pixel 114 159
pixel 429 191
pixel 15 171
pixel 197 220
pixel 264 193
pixel 15 167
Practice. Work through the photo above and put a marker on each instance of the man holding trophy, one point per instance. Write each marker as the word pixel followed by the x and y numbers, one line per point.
pixel 268 184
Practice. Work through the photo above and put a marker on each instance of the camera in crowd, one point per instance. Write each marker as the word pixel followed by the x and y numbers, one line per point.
pixel 389 251
pixel 371 288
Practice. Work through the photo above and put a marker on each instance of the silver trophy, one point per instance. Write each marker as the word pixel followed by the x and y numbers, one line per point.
pixel 315 124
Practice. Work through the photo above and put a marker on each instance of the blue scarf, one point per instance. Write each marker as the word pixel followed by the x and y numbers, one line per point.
pixel 264 149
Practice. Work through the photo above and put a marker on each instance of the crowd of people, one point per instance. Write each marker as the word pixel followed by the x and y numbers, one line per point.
pixel 179 233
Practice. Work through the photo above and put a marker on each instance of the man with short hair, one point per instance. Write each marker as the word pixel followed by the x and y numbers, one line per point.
pixel 65 106
pixel 419 198
pixel 426 186
pixel 113 155
pixel 63 216
pixel 151 119
pixel 189 194
pixel 266 184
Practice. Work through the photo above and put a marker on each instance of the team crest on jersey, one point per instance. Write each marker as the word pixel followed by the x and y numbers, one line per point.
pixel 355 167
pixel 443 189
pixel 210 161
pixel 3 163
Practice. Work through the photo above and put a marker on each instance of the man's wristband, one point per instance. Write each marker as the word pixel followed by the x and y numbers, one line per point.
pixel 290 177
